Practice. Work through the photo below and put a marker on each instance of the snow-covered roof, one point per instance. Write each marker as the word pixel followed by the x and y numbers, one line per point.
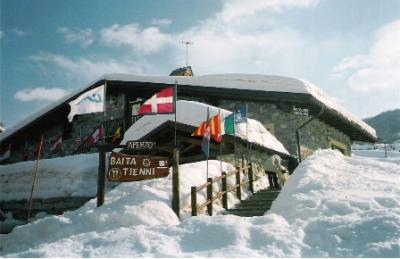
pixel 266 83
pixel 193 113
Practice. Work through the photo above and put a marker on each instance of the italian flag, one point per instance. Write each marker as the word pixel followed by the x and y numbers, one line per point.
pixel 229 125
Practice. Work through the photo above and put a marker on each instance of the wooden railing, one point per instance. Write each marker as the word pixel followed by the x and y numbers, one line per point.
pixel 109 127
pixel 224 189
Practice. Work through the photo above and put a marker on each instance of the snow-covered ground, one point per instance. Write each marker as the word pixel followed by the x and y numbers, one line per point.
pixel 58 177
pixel 377 151
pixel 332 206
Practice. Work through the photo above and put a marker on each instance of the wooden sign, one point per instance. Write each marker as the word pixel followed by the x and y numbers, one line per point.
pixel 140 145
pixel 127 168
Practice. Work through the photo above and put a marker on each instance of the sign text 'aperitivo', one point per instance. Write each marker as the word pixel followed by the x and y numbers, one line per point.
pixel 127 168
pixel 140 145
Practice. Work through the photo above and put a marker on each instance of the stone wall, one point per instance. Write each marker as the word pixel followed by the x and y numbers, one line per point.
pixel 283 125
pixel 115 106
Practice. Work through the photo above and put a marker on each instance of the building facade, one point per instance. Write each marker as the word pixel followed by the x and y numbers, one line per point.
pixel 270 100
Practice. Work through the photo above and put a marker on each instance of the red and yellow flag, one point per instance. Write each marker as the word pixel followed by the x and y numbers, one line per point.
pixel 215 128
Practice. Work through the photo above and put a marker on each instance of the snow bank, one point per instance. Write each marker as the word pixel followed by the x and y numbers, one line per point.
pixel 345 207
pixel 332 206
pixel 194 113
pixel 58 177
pixel 134 204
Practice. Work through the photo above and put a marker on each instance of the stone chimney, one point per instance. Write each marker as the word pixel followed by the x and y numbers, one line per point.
pixel 182 71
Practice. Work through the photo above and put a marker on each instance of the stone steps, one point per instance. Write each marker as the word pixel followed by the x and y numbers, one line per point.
pixel 256 205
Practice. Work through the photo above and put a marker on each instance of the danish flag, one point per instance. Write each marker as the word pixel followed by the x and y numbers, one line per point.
pixel 161 102
pixel 97 135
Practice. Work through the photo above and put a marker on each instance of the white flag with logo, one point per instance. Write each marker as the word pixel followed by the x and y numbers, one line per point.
pixel 91 101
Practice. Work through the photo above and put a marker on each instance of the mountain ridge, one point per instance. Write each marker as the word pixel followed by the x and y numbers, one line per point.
pixel 387 125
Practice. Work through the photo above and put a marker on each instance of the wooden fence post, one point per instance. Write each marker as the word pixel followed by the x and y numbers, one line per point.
pixel 243 164
pixel 175 183
pixel 239 187
pixel 193 195
pixel 209 196
pixel 251 177
pixel 101 177
pixel 225 195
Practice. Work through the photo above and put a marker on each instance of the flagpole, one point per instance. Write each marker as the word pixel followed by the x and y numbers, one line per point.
pixel 34 178
pixel 220 144
pixel 208 139
pixel 247 137
pixel 234 132
pixel 175 167
pixel 175 99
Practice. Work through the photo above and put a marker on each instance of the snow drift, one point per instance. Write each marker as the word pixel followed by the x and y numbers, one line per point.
pixel 58 177
pixel 332 206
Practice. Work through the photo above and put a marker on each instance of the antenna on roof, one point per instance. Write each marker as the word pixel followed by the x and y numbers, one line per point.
pixel 187 43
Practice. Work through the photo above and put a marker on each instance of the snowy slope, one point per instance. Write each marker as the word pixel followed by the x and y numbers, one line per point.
pixel 344 206
pixel 332 206
pixel 194 113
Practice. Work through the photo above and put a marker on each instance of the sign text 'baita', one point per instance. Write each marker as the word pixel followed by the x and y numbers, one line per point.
pixel 126 168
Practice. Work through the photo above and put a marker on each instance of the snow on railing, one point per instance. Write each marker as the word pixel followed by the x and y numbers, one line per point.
pixel 224 189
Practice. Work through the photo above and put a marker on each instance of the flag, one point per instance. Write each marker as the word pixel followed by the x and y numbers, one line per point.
pixel 97 135
pixel 236 117
pixel 91 101
pixel 117 135
pixel 161 102
pixel 214 127
pixel 6 154
pixel 241 115
pixel 56 144
pixel 229 124
pixel 205 143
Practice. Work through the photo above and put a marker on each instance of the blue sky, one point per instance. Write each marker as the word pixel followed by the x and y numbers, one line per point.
pixel 349 48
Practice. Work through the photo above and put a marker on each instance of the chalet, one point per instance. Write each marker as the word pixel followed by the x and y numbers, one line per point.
pixel 283 105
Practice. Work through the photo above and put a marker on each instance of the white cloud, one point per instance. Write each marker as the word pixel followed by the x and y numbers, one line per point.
pixel 148 40
pixel 380 68
pixel 234 9
pixel 18 32
pixel 160 22
pixel 219 46
pixel 83 37
pixel 241 38
pixel 88 68
pixel 231 50
pixel 39 94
